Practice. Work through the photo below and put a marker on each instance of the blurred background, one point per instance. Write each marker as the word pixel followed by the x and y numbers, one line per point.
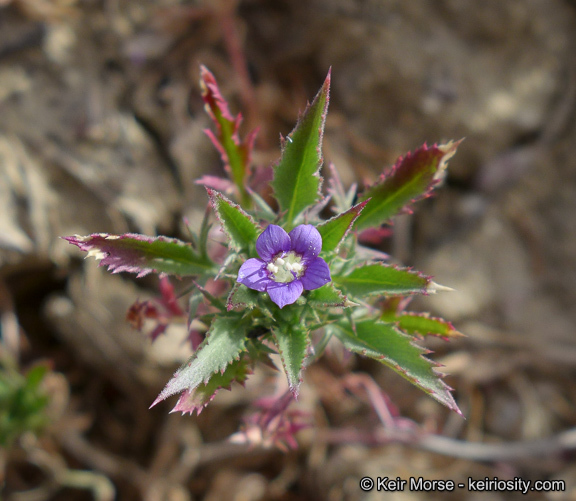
pixel 101 130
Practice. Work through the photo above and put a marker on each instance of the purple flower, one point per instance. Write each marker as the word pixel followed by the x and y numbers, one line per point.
pixel 288 264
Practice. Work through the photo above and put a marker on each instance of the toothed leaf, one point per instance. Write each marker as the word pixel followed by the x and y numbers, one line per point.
pixel 412 177
pixel 327 296
pixel 335 229
pixel 235 153
pixel 423 325
pixel 141 254
pixel 203 394
pixel 293 342
pixel 382 279
pixel 224 343
pixel 242 297
pixel 240 227
pixel 296 181
pixel 385 343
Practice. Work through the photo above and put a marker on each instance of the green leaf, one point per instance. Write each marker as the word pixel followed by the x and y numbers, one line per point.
pixel 22 402
pixel 193 302
pixel 262 209
pixel 335 229
pixel 240 227
pixel 385 343
pixel 35 376
pixel 327 296
pixel 293 342
pixel 412 178
pixel 383 279
pixel 242 297
pixel 203 394
pixel 204 231
pixel 296 181
pixel 235 152
pixel 423 324
pixel 141 254
pixel 224 343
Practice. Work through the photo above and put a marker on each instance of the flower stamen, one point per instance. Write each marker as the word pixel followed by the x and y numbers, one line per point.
pixel 286 269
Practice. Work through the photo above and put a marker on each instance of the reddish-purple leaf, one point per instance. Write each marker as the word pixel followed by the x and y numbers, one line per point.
pixel 141 254
pixel 161 311
pixel 217 183
pixel 412 178
pixel 235 152
pixel 274 425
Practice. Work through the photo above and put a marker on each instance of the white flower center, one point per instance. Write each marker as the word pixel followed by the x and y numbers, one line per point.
pixel 283 268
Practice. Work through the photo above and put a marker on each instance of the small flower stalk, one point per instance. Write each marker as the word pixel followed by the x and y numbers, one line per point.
pixel 288 273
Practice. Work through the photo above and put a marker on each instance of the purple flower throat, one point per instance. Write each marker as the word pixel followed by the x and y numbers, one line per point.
pixel 288 264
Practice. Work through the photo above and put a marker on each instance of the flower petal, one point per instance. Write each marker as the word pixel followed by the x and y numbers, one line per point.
pixel 285 293
pixel 306 241
pixel 253 274
pixel 272 241
pixel 316 274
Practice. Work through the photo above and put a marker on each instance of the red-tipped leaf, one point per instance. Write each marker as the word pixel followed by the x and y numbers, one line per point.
pixel 235 152
pixel 142 255
pixel 412 178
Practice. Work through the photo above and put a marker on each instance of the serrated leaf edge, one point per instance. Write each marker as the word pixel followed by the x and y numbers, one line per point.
pixel 451 404
pixel 213 195
pixel 293 388
pixel 230 305
pixel 425 290
pixel 325 89
pixel 92 250
pixel 358 208
pixel 448 149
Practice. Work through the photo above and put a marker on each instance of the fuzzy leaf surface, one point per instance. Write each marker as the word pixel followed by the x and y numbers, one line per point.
pixel 327 296
pixel 412 178
pixel 235 153
pixel 293 342
pixel 203 394
pixel 385 343
pixel 335 229
pixel 242 297
pixel 239 226
pixel 382 279
pixel 141 254
pixel 225 341
pixel 296 182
